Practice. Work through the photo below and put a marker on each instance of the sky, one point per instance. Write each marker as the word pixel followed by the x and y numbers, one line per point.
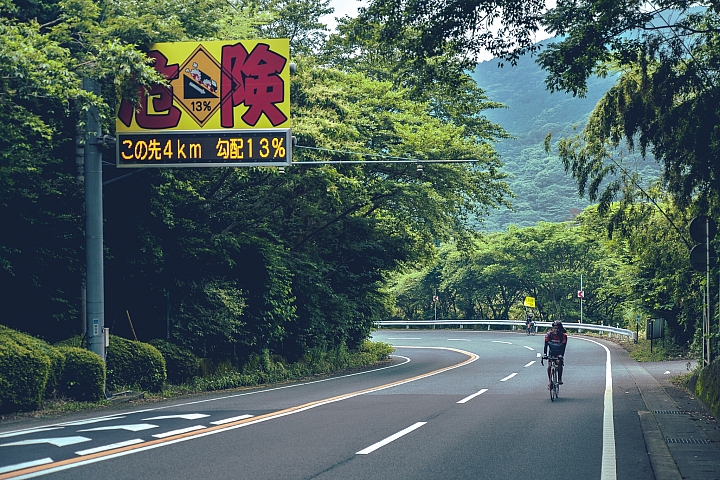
pixel 342 8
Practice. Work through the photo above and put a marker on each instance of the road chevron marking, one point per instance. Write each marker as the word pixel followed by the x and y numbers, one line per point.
pixel 151 444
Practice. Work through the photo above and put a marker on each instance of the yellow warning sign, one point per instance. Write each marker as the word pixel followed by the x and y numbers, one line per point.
pixel 214 86
pixel 197 87
pixel 529 302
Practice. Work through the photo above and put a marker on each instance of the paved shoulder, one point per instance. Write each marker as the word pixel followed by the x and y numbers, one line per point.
pixel 682 439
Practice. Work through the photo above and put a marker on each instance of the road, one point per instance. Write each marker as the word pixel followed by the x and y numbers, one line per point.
pixel 452 404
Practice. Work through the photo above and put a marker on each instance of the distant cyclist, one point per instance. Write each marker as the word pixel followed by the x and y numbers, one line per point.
pixel 529 322
pixel 556 341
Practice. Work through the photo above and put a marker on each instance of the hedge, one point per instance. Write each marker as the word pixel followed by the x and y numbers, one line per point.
pixel 134 364
pixel 84 375
pixel 55 357
pixel 23 376
pixel 181 364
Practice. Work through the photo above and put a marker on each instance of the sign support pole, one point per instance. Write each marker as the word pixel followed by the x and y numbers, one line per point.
pixel 707 292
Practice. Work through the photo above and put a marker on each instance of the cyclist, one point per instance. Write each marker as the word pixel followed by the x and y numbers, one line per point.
pixel 556 341
pixel 529 322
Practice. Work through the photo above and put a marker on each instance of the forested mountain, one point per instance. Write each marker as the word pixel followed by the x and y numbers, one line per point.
pixel 544 191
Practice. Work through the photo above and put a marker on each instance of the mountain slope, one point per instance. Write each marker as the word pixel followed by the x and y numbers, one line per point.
pixel 544 192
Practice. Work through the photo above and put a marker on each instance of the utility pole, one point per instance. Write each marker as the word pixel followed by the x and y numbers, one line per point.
pixel 94 274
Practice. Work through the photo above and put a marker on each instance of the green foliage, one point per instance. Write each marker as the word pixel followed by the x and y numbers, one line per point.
pixel 83 378
pixel 57 361
pixel 24 372
pixel 134 364
pixel 705 383
pixel 180 363
pixel 266 368
pixel 492 279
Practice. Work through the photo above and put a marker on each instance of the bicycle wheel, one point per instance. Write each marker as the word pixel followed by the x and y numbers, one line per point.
pixel 553 375
pixel 556 383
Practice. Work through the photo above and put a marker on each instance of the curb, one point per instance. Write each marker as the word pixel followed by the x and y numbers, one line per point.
pixel 661 460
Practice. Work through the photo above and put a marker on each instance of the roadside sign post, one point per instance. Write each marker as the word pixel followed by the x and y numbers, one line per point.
pixel 702 258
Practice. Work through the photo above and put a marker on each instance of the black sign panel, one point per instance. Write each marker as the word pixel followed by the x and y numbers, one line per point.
pixel 701 228
pixel 699 257
pixel 214 148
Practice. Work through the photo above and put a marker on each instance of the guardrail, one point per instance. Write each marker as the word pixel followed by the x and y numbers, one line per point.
pixel 622 333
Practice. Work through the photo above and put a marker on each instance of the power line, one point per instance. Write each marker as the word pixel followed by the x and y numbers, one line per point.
pixel 386 158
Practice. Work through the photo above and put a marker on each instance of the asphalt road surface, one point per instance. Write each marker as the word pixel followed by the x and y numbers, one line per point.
pixel 452 404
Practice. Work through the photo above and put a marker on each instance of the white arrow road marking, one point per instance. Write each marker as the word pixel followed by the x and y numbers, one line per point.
pixel 188 416
pixel 58 442
pixel 508 377
pixel 137 427
pixel 105 448
pixel 178 432
pixel 230 420
pixel 25 432
pixel 391 438
pixel 467 399
pixel 19 466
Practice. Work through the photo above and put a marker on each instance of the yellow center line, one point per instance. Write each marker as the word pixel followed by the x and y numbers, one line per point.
pixel 94 457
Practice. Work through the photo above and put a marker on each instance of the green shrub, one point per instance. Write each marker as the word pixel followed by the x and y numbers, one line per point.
pixel 56 358
pixel 23 376
pixel 74 341
pixel 134 364
pixel 84 375
pixel 181 364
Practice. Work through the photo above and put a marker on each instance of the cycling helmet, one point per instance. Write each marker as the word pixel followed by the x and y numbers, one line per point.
pixel 558 323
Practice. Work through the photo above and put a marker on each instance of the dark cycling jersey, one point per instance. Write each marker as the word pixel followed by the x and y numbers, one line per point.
pixel 556 343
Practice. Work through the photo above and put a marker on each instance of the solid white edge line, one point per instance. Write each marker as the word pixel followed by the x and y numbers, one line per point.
pixel 389 439
pixel 105 448
pixel 467 399
pixel 608 470
pixel 20 466
pixel 508 377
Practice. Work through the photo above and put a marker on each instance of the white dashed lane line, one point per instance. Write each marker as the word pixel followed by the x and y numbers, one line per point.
pixel 508 377
pixel 178 432
pixel 390 439
pixel 112 446
pixel 230 420
pixel 20 466
pixel 467 399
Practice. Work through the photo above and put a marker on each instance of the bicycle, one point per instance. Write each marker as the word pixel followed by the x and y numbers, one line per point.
pixel 529 328
pixel 554 382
